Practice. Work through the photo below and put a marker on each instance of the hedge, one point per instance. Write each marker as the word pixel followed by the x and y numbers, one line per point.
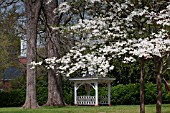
pixel 130 94
pixel 14 98
pixel 120 95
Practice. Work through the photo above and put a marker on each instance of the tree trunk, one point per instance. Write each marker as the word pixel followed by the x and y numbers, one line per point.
pixel 159 68
pixel 32 13
pixel 142 105
pixel 55 93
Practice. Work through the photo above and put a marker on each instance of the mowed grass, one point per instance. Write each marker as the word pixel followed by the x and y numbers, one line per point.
pixel 87 109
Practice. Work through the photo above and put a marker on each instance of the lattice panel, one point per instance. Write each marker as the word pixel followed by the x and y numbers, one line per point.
pixel 86 100
pixel 103 100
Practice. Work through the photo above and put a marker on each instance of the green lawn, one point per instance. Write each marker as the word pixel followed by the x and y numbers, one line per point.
pixel 87 109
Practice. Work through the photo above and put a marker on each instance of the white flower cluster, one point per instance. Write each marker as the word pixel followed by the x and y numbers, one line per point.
pixel 88 63
pixel 62 8
pixel 93 1
pixel 34 64
pixel 137 12
pixel 86 24
pixel 163 17
pixel 51 62
pixel 108 38
pixel 49 1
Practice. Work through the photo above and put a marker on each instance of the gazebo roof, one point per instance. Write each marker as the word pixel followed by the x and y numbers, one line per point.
pixel 92 79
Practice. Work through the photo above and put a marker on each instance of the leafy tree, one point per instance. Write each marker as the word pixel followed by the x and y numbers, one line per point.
pixel 9 40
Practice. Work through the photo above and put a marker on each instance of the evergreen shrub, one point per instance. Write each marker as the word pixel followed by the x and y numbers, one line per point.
pixel 130 94
pixel 14 98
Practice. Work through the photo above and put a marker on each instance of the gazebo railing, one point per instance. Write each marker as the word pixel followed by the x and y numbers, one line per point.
pixel 103 100
pixel 90 100
pixel 86 100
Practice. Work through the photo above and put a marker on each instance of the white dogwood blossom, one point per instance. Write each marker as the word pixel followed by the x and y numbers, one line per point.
pixel 49 1
pixel 34 64
pixel 63 7
pixel 115 33
pixel 163 17
pixel 93 1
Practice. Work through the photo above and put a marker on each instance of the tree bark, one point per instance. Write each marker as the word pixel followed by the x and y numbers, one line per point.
pixel 55 93
pixel 159 68
pixel 32 13
pixel 142 104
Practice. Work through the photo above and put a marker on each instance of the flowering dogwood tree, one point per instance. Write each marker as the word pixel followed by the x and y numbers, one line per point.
pixel 118 30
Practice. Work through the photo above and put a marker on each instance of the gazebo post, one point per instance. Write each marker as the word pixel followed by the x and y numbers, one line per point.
pixel 96 94
pixel 109 93
pixel 75 93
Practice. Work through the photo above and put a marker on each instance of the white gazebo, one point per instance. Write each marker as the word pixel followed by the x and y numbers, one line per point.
pixel 91 82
